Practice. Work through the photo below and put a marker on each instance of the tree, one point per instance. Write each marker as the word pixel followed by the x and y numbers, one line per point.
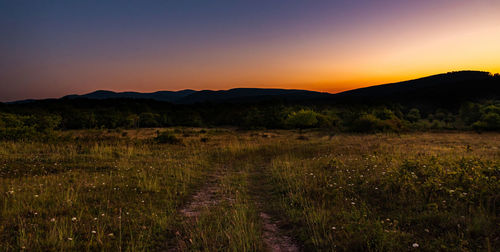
pixel 47 123
pixel 413 115
pixel 132 121
pixel 384 114
pixel 148 119
pixel 470 113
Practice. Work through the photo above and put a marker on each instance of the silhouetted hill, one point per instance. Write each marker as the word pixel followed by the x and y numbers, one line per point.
pixel 250 95
pixel 169 96
pixel 445 88
pixel 191 96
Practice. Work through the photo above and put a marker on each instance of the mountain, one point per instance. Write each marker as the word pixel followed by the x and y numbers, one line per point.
pixel 444 88
pixel 169 96
pixel 190 96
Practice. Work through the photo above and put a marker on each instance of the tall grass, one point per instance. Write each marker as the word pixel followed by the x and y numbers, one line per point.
pixel 381 193
pixel 384 192
pixel 94 195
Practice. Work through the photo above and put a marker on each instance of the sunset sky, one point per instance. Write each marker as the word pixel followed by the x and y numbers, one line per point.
pixel 53 48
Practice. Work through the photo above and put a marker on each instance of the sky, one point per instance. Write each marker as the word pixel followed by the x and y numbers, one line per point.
pixel 49 49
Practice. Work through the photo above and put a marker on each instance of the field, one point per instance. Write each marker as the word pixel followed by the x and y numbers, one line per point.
pixel 225 189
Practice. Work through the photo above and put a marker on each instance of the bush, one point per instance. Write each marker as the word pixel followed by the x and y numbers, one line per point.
pixel 367 123
pixel 19 127
pixel 167 137
pixel 302 119
pixel 490 121
pixel 149 120
pixel 413 115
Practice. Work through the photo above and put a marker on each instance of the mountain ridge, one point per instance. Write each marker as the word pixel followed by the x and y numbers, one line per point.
pixel 189 96
pixel 445 86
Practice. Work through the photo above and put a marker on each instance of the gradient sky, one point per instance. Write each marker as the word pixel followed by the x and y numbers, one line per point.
pixel 53 48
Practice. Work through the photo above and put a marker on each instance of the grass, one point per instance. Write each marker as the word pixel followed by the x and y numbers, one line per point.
pixel 383 193
pixel 100 190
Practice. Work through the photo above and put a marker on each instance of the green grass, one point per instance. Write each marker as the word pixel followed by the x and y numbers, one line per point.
pixel 97 190
pixel 385 193
pixel 94 195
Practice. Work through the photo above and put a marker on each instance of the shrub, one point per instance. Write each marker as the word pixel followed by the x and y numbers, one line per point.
pixel 167 137
pixel 148 120
pixel 413 115
pixel 302 119
pixel 19 127
pixel 367 123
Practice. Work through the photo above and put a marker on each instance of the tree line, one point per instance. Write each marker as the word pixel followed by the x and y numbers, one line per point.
pixel 41 118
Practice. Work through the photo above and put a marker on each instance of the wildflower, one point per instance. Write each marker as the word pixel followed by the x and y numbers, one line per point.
pixel 36 195
pixel 426 230
pixel 415 245
pixel 70 239
pixel 333 228
pixel 94 232
pixel 95 218
pixel 53 220
pixel 73 219
pixel 102 214
pixel 353 203
pixel 110 234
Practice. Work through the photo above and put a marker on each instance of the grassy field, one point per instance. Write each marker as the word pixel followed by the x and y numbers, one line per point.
pixel 223 189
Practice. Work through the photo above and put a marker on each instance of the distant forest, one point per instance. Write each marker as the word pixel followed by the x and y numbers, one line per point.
pixel 446 102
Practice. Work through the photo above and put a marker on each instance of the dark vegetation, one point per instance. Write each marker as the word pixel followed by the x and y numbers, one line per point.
pixel 455 101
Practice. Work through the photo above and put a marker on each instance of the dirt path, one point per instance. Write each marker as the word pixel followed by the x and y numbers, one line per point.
pixel 207 196
pixel 210 196
pixel 204 198
pixel 273 237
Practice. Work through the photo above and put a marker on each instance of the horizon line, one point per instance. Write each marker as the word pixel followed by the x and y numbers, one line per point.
pixel 245 87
